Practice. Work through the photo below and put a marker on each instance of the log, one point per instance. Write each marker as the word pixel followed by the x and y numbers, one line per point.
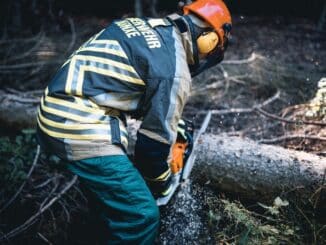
pixel 17 110
pixel 258 171
pixel 230 164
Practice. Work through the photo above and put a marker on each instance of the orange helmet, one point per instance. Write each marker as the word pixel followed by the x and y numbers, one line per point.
pixel 213 12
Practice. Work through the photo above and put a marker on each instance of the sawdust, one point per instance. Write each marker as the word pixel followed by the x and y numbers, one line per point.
pixel 188 222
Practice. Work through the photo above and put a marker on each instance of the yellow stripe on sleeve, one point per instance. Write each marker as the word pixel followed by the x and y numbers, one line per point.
pixel 73 105
pixel 103 41
pixel 80 81
pixel 83 126
pixel 69 115
pixel 115 75
pixel 70 75
pixel 74 136
pixel 106 62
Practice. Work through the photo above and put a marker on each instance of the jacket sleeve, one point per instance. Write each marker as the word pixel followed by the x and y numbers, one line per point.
pixel 163 105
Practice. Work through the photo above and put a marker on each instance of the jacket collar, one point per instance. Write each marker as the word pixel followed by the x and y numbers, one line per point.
pixel 183 30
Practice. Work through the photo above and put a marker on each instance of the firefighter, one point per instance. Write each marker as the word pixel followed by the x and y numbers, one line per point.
pixel 141 67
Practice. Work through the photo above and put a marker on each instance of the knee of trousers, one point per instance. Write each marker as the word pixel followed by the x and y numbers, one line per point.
pixel 151 215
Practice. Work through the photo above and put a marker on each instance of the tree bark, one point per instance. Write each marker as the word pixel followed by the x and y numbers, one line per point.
pixel 256 170
pixel 231 164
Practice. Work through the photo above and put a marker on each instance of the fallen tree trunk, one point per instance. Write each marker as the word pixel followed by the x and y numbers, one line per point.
pixel 18 109
pixel 256 170
pixel 231 164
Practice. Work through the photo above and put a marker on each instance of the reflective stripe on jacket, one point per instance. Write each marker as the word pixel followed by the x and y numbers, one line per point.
pixel 134 66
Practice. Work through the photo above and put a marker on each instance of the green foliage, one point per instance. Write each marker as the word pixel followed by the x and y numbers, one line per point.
pixel 232 223
pixel 16 156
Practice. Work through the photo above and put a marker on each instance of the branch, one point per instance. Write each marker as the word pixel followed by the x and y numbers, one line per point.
pixel 44 238
pixel 291 137
pixel 22 100
pixel 33 218
pixel 270 100
pixel 230 111
pixel 265 113
pixel 37 92
pixel 23 184
pixel 252 58
pixel 258 108
pixel 245 110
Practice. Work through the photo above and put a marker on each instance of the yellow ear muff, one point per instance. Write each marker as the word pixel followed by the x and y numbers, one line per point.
pixel 207 42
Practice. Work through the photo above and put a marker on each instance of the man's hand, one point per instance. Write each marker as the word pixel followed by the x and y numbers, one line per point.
pixel 183 146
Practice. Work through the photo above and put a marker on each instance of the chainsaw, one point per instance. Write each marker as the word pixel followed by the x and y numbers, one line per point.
pixel 182 175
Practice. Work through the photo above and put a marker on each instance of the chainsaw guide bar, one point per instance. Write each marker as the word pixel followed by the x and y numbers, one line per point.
pixel 183 175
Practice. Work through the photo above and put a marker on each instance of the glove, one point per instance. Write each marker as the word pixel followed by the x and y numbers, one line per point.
pixel 183 146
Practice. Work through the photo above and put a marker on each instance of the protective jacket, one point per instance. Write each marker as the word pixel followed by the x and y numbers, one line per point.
pixel 133 67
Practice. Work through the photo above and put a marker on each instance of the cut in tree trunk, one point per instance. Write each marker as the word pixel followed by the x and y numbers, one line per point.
pixel 230 164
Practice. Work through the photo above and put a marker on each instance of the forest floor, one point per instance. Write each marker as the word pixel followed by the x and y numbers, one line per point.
pixel 280 57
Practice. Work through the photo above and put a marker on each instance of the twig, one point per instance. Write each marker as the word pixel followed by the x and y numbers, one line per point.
pixel 49 195
pixel 258 108
pixel 33 218
pixel 231 111
pixel 265 113
pixel 246 110
pixel 45 183
pixel 23 184
pixel 270 100
pixel 22 100
pixel 252 58
pixel 322 228
pixel 37 92
pixel 44 238
pixel 65 210
pixel 291 137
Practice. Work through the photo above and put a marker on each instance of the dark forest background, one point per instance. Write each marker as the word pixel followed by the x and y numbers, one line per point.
pixel 298 8
pixel 25 11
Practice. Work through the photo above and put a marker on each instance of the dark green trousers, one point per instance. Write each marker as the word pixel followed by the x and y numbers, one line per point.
pixel 126 205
